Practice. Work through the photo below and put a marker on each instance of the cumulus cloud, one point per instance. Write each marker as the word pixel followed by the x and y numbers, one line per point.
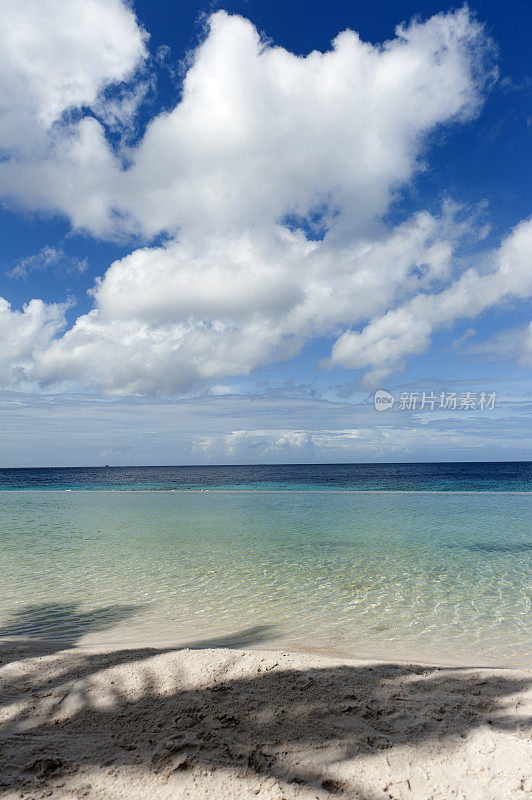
pixel 24 334
pixel 360 444
pixel 293 444
pixel 57 61
pixel 176 317
pixel 259 132
pixel 270 179
pixel 59 56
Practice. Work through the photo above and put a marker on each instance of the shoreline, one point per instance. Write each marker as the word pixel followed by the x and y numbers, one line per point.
pixel 39 645
pixel 93 722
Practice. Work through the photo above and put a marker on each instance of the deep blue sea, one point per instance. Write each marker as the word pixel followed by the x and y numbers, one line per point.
pixel 447 477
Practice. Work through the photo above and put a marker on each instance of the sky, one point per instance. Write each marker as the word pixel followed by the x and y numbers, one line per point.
pixel 224 227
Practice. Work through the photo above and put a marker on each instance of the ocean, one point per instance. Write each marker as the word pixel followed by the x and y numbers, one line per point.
pixel 500 476
pixel 429 562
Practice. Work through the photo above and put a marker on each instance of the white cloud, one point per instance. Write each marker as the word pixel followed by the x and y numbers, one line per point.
pixel 429 437
pixel 259 132
pixel 57 60
pixel 385 342
pixel 59 56
pixel 512 343
pixel 46 258
pixel 176 317
pixel 45 428
pixel 263 147
pixel 24 334
pixel 291 444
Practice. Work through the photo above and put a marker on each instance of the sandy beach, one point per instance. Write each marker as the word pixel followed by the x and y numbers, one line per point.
pixel 228 723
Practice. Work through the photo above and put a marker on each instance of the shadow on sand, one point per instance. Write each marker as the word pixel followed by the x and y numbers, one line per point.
pixel 256 726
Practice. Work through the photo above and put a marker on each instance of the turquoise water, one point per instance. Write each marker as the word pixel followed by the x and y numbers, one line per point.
pixel 425 576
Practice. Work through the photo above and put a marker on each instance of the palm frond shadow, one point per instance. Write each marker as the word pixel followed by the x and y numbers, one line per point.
pixel 260 725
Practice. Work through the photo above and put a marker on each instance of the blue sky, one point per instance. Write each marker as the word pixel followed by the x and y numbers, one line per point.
pixel 234 232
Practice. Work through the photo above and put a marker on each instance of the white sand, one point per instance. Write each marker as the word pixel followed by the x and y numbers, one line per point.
pixel 147 724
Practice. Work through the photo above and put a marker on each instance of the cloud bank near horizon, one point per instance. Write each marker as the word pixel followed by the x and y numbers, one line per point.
pixel 270 183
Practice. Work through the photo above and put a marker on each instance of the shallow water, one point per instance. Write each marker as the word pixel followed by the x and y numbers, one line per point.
pixel 423 576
